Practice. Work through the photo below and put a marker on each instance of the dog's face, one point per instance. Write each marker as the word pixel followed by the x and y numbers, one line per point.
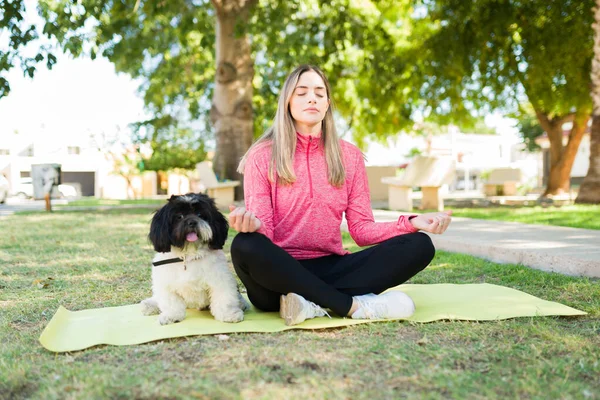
pixel 191 219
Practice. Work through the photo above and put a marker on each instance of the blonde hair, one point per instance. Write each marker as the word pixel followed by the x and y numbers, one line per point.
pixel 282 136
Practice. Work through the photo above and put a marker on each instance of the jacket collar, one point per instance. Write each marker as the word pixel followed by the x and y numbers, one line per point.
pixel 303 141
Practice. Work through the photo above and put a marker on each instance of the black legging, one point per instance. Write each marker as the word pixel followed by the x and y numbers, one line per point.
pixel 268 271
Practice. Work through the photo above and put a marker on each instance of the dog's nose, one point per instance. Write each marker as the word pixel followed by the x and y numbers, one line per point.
pixel 191 224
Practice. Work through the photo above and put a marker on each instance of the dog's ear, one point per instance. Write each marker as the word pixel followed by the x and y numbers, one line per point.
pixel 219 226
pixel 160 230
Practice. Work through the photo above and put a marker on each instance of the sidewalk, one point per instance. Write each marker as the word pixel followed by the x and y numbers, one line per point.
pixel 569 251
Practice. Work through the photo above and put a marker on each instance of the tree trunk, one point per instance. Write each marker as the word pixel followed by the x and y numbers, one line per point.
pixel 561 157
pixel 589 192
pixel 231 112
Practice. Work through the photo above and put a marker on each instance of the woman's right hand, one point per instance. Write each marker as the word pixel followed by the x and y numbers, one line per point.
pixel 243 220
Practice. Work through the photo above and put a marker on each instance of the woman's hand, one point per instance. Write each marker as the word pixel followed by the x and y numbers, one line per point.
pixel 432 222
pixel 243 220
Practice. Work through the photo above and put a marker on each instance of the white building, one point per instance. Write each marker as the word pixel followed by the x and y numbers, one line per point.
pixel 82 164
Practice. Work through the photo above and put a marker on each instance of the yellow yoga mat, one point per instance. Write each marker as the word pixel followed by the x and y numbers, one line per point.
pixel 125 325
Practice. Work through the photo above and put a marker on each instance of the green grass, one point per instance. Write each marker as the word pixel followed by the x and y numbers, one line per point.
pixel 575 216
pixel 101 259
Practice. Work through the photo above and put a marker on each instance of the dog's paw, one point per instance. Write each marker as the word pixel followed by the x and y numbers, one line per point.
pixel 166 319
pixel 244 305
pixel 149 307
pixel 232 315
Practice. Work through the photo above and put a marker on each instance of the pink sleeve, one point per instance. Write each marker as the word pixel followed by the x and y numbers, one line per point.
pixel 361 224
pixel 257 193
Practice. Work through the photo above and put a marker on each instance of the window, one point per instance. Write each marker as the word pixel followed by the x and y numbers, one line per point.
pixel 4 152
pixel 73 150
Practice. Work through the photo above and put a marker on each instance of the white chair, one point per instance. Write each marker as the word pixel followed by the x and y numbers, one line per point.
pixel 222 192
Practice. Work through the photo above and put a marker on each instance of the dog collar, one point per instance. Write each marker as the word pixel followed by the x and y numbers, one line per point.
pixel 168 261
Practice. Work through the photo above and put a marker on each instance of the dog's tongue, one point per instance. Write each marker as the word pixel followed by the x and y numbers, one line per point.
pixel 191 237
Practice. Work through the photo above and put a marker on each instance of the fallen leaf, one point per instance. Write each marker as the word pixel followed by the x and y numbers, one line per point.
pixel 42 283
pixel 423 341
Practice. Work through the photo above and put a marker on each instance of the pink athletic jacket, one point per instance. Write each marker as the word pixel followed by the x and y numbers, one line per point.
pixel 304 218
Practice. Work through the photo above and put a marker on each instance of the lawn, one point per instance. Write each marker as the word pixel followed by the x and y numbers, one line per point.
pixel 100 259
pixel 574 216
pixel 95 202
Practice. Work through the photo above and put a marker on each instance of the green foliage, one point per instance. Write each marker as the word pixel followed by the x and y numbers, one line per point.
pixel 360 48
pixel 487 54
pixel 170 46
pixel 415 151
pixel 18 35
pixel 388 61
pixel 174 145
pixel 530 129
pixel 478 126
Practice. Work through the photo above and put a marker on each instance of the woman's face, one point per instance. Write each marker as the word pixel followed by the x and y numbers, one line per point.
pixel 309 103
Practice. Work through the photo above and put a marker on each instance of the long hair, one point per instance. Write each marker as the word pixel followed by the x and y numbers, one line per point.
pixel 282 136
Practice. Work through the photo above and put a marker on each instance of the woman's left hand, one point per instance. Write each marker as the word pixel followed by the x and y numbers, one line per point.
pixel 433 222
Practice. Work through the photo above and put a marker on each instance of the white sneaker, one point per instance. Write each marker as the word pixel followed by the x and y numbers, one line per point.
pixel 389 305
pixel 295 309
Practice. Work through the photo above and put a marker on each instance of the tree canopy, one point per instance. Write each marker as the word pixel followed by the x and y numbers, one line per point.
pixel 171 46
pixel 15 34
pixel 498 54
pixel 390 62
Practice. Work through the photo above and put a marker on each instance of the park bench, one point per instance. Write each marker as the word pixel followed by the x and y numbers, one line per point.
pixel 428 173
pixel 502 182
pixel 221 192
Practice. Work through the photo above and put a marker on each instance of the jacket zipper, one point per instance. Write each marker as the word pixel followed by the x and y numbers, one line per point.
pixel 308 166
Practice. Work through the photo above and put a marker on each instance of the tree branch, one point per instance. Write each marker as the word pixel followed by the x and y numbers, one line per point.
pixel 218 5
pixel 233 6
pixel 570 117
pixel 545 122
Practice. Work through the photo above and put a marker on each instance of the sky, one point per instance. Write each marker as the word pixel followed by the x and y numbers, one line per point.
pixel 76 97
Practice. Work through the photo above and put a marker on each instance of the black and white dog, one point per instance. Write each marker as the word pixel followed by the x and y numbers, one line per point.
pixel 190 268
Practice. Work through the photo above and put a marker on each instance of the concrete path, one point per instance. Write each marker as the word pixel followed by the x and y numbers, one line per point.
pixel 13 205
pixel 569 251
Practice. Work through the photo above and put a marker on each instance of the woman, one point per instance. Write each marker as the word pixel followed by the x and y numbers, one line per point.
pixel 299 178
